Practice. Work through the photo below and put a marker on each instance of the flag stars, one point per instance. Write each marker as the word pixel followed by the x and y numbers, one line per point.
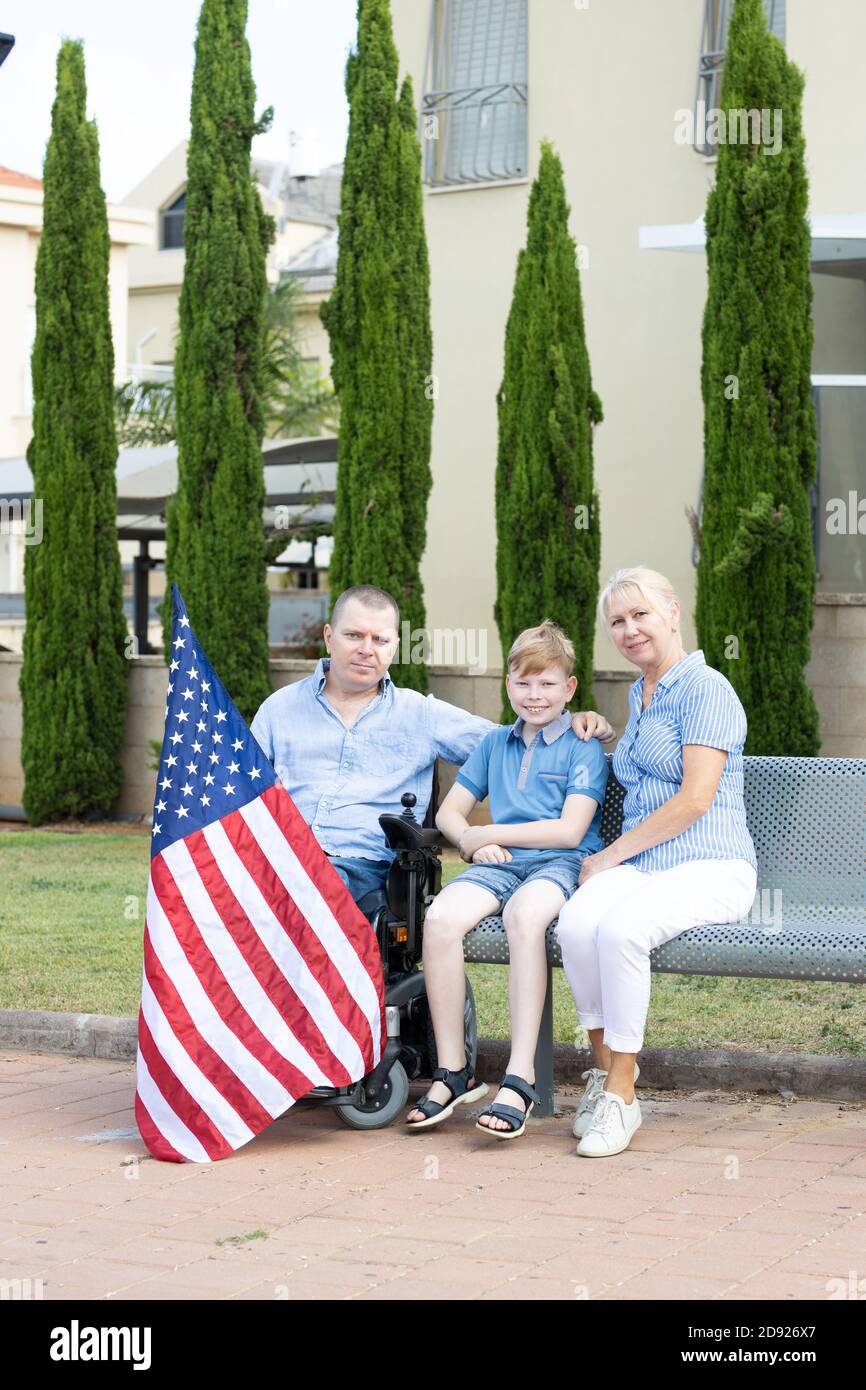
pixel 254 773
pixel 175 666
pixel 221 716
pixel 182 811
pixel 217 738
pixel 187 694
pixel 179 642
pixel 170 689
pixel 205 800
pixel 170 760
pixel 192 673
pixel 192 768
pixel 160 806
pixel 186 790
pixel 229 789
pixel 196 748
pixel 176 738
pixel 209 778
pixel 157 829
pixel 234 767
pixel 204 705
pixel 165 783
pixel 182 716
pixel 201 726
pixel 214 758
pixel 238 745
pixel 184 622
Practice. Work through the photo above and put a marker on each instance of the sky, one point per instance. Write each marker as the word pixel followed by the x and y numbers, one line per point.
pixel 139 61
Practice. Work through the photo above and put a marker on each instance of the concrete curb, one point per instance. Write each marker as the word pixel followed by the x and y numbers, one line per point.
pixel 697 1069
pixel 662 1068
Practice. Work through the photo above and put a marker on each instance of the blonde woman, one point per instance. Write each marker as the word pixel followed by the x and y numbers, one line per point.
pixel 684 858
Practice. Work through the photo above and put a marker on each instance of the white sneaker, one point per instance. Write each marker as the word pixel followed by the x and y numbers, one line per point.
pixel 613 1124
pixel 594 1088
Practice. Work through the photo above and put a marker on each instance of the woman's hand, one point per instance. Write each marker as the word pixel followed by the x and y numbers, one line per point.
pixel 596 864
pixel 491 854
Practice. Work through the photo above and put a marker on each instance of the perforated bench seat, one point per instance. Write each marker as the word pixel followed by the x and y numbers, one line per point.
pixel 807 818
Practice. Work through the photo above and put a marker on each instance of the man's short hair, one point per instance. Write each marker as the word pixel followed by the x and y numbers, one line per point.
pixel 536 648
pixel 370 596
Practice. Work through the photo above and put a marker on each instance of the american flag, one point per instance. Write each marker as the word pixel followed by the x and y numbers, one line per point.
pixel 262 979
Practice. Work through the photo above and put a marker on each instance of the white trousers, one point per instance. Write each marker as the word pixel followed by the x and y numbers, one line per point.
pixel 612 922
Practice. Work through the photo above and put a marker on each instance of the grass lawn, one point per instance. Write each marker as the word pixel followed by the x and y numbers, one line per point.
pixel 72 917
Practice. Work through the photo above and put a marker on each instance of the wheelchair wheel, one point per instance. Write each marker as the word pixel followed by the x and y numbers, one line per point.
pixel 470 1031
pixel 379 1112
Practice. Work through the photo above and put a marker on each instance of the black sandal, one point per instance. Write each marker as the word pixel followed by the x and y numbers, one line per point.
pixel 515 1118
pixel 457 1083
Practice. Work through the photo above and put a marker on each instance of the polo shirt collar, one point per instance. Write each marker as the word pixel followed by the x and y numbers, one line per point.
pixel 550 733
pixel 323 666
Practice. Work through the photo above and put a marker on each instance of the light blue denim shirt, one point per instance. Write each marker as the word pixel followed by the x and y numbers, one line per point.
pixel 342 780
pixel 692 703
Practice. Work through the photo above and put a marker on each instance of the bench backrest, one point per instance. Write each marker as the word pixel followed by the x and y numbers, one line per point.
pixel 807 818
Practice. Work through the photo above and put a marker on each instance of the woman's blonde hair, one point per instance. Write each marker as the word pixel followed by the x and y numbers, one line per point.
pixel 536 648
pixel 657 591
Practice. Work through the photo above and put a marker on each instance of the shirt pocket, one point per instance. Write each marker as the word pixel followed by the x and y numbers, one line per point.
pixel 389 756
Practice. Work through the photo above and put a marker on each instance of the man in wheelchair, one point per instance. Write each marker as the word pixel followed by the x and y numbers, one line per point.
pixel 351 748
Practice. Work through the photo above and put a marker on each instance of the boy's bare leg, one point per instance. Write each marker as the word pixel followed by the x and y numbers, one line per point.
pixel 527 915
pixel 453 912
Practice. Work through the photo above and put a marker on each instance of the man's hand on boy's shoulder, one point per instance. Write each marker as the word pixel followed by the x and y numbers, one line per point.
pixel 588 724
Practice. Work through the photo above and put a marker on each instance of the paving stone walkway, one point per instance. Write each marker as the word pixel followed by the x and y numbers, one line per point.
pixel 719 1197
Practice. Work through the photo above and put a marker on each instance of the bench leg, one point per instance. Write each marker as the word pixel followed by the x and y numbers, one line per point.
pixel 544 1053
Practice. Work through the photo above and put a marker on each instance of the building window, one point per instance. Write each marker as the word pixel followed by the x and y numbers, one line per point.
pixel 474 108
pixel 171 221
pixel 711 63
pixel 839 508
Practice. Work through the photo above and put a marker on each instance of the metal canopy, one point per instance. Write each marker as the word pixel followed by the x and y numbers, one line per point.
pixel 300 475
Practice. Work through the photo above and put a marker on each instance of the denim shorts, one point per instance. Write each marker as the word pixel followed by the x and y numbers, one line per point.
pixel 505 879
pixel 361 876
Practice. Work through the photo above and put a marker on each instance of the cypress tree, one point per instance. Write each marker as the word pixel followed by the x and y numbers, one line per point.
pixel 547 514
pixel 378 321
pixel 215 540
pixel 73 678
pixel 756 574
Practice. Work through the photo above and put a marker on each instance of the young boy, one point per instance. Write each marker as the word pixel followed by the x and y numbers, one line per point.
pixel 546 788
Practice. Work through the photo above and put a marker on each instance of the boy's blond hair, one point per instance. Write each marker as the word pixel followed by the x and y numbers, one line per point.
pixel 536 648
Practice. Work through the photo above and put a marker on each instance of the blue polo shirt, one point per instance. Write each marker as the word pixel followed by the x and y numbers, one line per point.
pixel 529 783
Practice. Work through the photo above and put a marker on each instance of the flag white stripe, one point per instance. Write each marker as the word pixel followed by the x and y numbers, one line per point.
pixel 218 1110
pixel 169 1124
pixel 268 1091
pixel 241 978
pixel 284 953
pixel 314 908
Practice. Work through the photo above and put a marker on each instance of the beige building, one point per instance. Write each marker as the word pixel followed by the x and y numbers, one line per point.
pixel 612 83
pixel 156 270
pixel 129 227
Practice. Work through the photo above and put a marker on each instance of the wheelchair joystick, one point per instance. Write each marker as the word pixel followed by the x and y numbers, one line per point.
pixel 408 800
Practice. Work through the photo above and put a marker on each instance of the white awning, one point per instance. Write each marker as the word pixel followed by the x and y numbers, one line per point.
pixel 835 239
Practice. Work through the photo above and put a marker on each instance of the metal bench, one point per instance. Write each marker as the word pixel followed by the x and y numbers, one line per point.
pixel 807 818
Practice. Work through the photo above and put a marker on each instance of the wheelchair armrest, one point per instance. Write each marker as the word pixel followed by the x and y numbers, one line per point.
pixel 405 834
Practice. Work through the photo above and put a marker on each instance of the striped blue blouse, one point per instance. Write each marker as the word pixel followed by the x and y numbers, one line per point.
pixel 692 703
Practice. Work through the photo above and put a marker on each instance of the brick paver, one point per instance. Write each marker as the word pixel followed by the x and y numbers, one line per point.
pixel 719 1197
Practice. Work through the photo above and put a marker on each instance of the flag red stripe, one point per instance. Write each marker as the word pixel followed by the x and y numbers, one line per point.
pixel 302 936
pixel 154 1140
pixel 309 852
pixel 208 1061
pixel 178 1097
pixel 260 961
pixel 232 1012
